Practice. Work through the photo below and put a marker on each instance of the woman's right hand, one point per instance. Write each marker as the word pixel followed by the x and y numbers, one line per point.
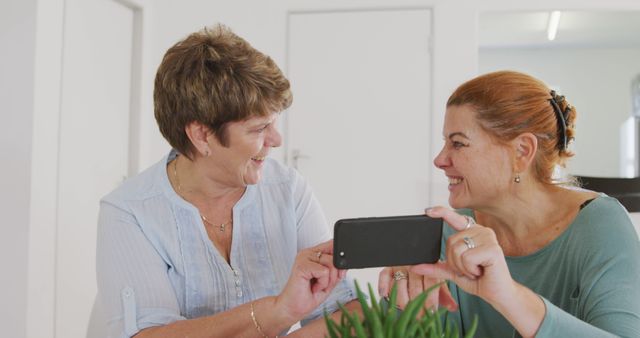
pixel 312 279
pixel 411 285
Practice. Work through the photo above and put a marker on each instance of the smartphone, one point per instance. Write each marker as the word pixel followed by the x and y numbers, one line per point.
pixel 386 241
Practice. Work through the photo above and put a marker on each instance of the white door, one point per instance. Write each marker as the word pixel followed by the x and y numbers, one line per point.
pixel 94 146
pixel 359 125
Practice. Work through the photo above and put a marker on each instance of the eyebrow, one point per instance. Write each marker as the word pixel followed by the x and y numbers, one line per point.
pixel 262 123
pixel 458 133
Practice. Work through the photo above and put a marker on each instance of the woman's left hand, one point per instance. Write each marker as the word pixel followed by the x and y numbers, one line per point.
pixel 410 285
pixel 475 260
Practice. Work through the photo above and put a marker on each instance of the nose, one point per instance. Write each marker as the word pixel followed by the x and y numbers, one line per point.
pixel 442 160
pixel 273 139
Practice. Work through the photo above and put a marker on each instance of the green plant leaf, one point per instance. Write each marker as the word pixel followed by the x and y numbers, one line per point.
pixel 392 312
pixel 412 329
pixel 437 322
pixel 410 312
pixel 422 332
pixel 346 331
pixel 343 319
pixel 428 323
pixel 331 326
pixel 374 303
pixel 389 322
pixel 474 327
pixel 355 322
pixel 371 316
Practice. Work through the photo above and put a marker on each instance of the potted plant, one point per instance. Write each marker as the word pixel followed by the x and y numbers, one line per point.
pixel 382 320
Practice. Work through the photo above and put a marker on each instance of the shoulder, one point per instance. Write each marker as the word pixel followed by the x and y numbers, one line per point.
pixel 276 173
pixel 145 185
pixel 281 180
pixel 603 225
pixel 604 215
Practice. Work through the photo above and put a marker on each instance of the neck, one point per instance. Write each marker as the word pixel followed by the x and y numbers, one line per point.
pixel 193 181
pixel 530 217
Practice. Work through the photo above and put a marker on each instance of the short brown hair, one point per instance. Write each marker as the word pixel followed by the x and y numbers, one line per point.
pixel 214 77
pixel 509 103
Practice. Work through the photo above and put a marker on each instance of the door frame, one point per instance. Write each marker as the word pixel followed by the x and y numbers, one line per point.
pixel 43 213
pixel 368 275
pixel 286 123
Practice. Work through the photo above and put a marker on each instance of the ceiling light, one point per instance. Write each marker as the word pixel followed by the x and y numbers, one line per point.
pixel 552 28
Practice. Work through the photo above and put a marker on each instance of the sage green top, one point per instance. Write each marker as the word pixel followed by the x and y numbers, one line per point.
pixel 588 278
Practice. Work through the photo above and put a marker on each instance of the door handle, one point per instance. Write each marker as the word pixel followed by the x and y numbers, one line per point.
pixel 296 154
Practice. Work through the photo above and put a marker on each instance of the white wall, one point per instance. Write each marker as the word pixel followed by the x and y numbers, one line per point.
pixel 17 36
pixel 597 81
pixel 260 22
pixel 455 58
pixel 264 26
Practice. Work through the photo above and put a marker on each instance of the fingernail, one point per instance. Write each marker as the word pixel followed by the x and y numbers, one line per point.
pixel 426 210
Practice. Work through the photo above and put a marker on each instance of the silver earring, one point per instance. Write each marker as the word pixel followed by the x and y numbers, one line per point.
pixel 517 178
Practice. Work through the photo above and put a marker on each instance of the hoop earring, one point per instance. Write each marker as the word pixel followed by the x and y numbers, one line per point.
pixel 517 178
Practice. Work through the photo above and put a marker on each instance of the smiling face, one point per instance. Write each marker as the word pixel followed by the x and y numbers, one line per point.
pixel 249 144
pixel 479 168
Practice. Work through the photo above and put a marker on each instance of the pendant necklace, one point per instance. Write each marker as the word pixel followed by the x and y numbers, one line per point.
pixel 221 226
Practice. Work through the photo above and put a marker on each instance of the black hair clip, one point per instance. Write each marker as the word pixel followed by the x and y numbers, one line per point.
pixel 561 116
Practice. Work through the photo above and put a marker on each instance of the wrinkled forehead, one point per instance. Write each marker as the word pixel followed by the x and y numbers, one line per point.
pixel 260 119
pixel 460 119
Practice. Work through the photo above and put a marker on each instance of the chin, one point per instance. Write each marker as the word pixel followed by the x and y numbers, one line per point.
pixel 456 204
pixel 252 179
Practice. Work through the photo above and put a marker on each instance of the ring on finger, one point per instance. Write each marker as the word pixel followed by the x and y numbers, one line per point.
pixel 469 242
pixel 318 255
pixel 398 275
pixel 470 222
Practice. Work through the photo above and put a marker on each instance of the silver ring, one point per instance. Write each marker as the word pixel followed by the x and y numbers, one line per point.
pixel 470 222
pixel 468 241
pixel 318 255
pixel 398 275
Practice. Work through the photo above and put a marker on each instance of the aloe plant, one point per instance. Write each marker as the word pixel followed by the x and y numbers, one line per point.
pixel 386 321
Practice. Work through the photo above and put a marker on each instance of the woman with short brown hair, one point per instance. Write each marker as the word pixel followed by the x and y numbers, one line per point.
pixel 217 240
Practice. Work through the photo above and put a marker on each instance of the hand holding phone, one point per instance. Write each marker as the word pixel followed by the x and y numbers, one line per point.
pixel 386 241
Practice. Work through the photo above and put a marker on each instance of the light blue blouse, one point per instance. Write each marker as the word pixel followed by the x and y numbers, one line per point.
pixel 156 264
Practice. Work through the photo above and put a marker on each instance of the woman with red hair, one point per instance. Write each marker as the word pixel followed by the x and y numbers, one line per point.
pixel 524 250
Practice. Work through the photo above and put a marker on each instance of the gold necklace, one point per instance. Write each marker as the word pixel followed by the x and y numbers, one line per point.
pixel 222 226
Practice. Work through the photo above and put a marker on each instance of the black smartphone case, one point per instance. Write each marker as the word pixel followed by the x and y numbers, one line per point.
pixel 386 241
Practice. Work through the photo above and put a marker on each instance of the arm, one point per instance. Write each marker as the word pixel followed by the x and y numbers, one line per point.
pixel 132 277
pixel 318 327
pixel 313 227
pixel 482 270
pixel 237 322
pixel 609 299
pixel 140 300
